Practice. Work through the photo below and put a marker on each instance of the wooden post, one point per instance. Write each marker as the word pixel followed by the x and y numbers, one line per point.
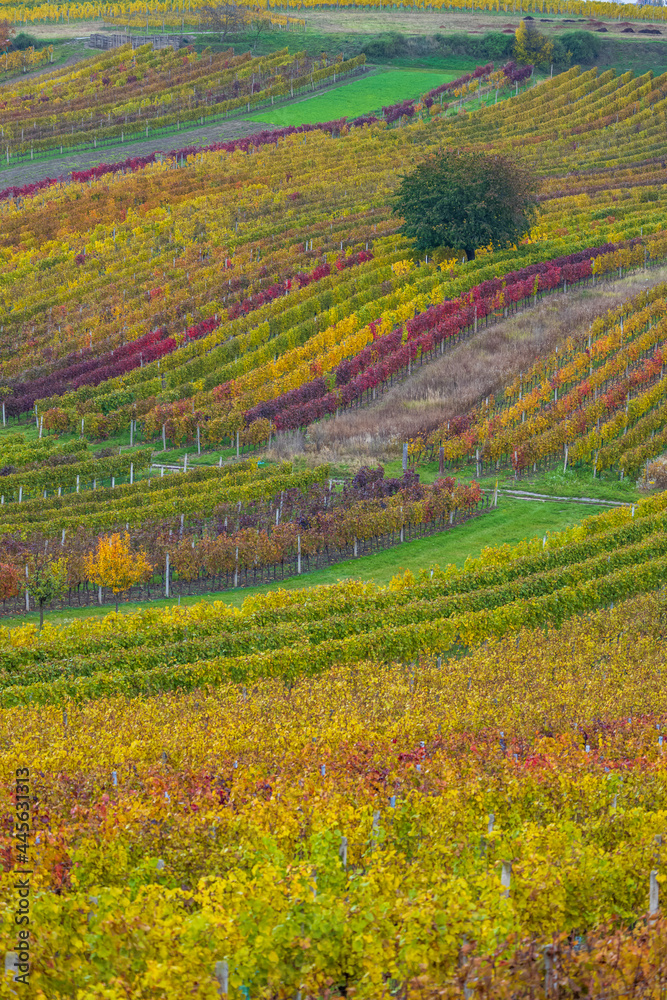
pixel 565 460
pixel 166 576
pixel 506 877
pixel 654 893
pixel 185 462
pixel 405 456
pixel 131 473
pixel 298 554
pixel 238 436
pixel 222 975
pixel 27 594
pixel 342 852
pixel 198 441
pixel 131 433
pixel 4 416
pixel 164 438
pixel 441 460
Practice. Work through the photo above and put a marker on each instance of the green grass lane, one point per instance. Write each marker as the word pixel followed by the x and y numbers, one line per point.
pixel 361 97
pixel 512 521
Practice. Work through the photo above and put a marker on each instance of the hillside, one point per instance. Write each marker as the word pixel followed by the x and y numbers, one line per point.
pixel 379 710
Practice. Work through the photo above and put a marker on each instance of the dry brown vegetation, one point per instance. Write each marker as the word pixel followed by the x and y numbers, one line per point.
pixel 458 380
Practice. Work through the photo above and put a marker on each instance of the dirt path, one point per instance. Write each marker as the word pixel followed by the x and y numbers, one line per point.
pixel 29 172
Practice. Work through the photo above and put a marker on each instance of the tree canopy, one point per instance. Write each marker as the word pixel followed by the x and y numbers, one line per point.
pixel 532 47
pixel 465 201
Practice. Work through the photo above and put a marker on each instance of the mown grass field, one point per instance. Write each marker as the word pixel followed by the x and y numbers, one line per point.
pixel 361 97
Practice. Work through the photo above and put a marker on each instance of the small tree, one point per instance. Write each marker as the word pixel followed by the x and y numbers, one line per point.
pixel 465 201
pixel 46 580
pixel 10 581
pixel 116 566
pixel 225 18
pixel 532 47
pixel 7 34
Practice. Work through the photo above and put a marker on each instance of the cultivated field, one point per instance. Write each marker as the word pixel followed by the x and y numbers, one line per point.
pixel 332 609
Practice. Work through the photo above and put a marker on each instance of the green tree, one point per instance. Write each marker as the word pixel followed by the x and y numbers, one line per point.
pixel 45 581
pixel 465 201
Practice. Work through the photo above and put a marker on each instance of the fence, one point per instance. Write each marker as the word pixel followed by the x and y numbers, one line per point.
pixel 196 114
pixel 114 41
pixel 162 585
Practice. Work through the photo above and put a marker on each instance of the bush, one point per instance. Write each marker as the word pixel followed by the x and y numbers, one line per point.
pixel 493 45
pixel 583 45
pixel 385 47
pixel 25 41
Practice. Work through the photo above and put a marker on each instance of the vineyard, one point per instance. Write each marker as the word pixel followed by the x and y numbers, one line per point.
pixel 448 785
pixel 128 92
pixel 170 14
pixel 260 820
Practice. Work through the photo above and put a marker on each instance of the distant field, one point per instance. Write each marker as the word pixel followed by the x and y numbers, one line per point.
pixel 358 98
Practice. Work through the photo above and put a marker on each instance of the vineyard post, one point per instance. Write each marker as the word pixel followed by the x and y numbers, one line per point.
pixel 236 569
pixel 12 965
pixel 164 438
pixel 222 975
pixel 198 441
pixel 405 456
pixel 185 462
pixel 41 426
pixel 654 893
pixel 166 576
pixel 475 319
pixel 506 878
pixel 355 544
pixel 78 481
pixel 495 495
pixel 238 435
pixel 298 554
pixel 4 418
pixel 441 460
pixel 99 594
pixel 131 473
pixel 82 423
pixel 565 460
pixel 549 978
pixel 342 852
pixel 20 494
pixel 375 828
pixel 131 432
pixel 27 593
